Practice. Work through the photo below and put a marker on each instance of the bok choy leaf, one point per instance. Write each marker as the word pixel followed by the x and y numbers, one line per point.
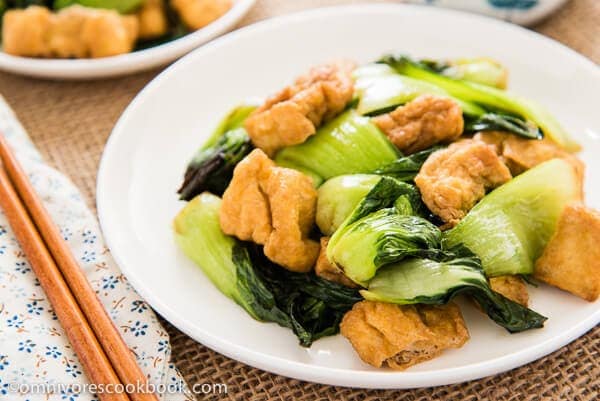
pixel 406 168
pixel 381 230
pixel 211 169
pixel 504 122
pixel 439 279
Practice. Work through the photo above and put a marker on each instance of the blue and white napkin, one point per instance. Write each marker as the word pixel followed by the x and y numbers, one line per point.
pixel 36 360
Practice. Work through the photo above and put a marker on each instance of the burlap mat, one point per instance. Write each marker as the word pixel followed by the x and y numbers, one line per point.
pixel 70 123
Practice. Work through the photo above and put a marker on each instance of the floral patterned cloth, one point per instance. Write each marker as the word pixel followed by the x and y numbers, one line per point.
pixel 33 347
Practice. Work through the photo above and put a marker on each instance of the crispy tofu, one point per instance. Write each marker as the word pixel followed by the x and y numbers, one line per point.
pixel 400 336
pixel 152 19
pixel 329 271
pixel 292 115
pixel 512 287
pixel 24 32
pixel 521 154
pixel 454 179
pixel 75 31
pixel 422 123
pixel 571 260
pixel 272 206
pixel 196 14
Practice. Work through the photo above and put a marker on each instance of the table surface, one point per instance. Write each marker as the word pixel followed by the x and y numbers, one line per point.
pixel 71 121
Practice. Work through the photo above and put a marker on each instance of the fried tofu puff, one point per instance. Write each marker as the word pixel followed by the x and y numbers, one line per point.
pixel 399 336
pixel 521 154
pixel 329 271
pixel 571 260
pixel 512 287
pixel 152 19
pixel 272 206
pixel 196 14
pixel 454 179
pixel 422 123
pixel 292 115
pixel 75 31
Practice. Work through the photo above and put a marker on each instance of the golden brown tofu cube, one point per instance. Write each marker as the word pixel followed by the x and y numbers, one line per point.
pixel 400 336
pixel 272 206
pixel 571 260
pixel 107 33
pixel 24 32
pixel 454 179
pixel 512 287
pixel 422 123
pixel 521 154
pixel 292 115
pixel 196 14
pixel 152 19
pixel 329 271
pixel 74 31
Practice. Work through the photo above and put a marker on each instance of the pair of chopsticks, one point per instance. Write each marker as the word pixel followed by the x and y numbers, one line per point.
pixel 105 358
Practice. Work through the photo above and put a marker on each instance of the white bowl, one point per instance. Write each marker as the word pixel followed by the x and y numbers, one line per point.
pixel 124 63
pixel 522 12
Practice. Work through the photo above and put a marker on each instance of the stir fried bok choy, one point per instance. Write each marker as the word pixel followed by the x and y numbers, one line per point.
pixel 370 197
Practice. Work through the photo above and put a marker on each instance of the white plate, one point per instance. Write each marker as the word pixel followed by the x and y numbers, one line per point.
pixel 124 63
pixel 149 148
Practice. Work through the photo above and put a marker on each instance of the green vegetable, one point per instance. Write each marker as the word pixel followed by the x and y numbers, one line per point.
pixel 122 6
pixel 314 306
pixel 491 98
pixel 406 168
pixel 437 281
pixel 383 237
pixel 504 122
pixel 212 167
pixel 482 70
pixel 349 144
pixel 310 306
pixel 509 228
pixel 198 233
pixel 338 197
pixel 233 120
pixel 380 90
pixel 378 233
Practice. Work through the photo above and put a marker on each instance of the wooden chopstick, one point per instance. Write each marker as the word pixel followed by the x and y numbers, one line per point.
pixel 117 351
pixel 91 355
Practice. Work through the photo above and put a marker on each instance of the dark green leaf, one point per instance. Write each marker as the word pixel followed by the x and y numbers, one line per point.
pixel 441 276
pixel 212 168
pixel 313 306
pixel 504 122
pixel 407 167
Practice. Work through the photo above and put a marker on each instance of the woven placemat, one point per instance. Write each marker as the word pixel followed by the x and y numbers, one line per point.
pixel 70 123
